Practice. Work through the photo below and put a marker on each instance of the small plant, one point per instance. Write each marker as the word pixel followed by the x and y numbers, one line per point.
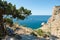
pixel 40 32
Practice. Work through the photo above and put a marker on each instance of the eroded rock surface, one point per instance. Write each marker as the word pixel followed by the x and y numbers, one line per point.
pixel 53 24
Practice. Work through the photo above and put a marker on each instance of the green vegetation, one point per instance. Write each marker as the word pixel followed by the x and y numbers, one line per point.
pixel 9 9
pixel 8 21
pixel 40 32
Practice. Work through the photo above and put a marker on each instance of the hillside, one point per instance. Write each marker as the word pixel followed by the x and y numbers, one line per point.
pixel 53 24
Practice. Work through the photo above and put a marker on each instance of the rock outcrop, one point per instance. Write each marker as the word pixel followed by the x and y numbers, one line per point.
pixel 20 29
pixel 22 33
pixel 53 24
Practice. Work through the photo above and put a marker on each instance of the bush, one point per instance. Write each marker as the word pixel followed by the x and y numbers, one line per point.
pixel 40 32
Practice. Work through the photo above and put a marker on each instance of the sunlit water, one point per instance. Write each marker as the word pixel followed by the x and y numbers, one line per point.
pixel 34 21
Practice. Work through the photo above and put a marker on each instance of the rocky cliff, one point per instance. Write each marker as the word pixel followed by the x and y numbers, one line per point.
pixel 20 29
pixel 53 24
pixel 21 33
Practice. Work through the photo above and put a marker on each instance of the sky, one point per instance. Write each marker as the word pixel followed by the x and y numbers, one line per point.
pixel 37 7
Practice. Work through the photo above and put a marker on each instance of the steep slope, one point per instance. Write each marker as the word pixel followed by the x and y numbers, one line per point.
pixel 53 24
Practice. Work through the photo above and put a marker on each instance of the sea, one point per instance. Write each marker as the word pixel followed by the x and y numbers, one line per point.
pixel 33 21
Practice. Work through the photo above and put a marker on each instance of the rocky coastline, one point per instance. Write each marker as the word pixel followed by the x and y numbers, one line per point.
pixel 53 24
pixel 52 27
pixel 17 32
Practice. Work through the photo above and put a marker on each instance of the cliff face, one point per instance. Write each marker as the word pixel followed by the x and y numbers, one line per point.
pixel 53 24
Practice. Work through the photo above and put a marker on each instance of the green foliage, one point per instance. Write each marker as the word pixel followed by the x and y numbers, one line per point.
pixel 40 32
pixel 8 20
pixel 9 9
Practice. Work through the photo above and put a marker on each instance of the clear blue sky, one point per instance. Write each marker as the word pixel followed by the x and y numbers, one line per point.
pixel 38 7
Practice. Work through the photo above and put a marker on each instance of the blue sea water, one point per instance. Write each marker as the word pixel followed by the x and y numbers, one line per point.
pixel 33 21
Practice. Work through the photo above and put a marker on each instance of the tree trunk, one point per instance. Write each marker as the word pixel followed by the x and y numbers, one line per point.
pixel 2 29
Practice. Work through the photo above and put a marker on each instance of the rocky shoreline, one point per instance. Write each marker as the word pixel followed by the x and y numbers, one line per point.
pixel 53 24
pixel 17 32
pixel 52 27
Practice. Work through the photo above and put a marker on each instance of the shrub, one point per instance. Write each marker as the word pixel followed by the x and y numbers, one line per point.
pixel 40 32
